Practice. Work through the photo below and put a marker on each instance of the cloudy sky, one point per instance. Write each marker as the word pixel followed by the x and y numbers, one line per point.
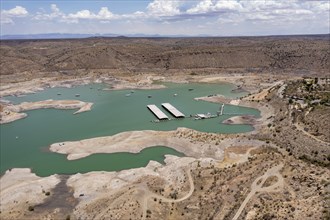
pixel 166 17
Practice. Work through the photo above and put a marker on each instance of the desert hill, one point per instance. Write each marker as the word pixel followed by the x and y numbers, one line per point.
pixel 309 53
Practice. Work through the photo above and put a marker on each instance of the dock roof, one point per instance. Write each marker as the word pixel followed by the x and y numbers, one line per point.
pixel 157 112
pixel 172 110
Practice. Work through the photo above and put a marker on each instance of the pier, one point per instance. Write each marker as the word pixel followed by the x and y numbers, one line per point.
pixel 221 110
pixel 157 112
pixel 171 109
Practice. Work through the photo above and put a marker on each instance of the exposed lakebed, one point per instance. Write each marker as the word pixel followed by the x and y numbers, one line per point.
pixel 25 143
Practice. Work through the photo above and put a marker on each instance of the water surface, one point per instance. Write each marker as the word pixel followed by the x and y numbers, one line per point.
pixel 24 143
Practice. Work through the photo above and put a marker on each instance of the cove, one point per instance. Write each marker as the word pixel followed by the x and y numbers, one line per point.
pixel 113 112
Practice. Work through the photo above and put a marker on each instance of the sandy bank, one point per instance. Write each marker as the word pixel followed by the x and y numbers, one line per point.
pixel 134 142
pixel 39 84
pixel 241 119
pixel 215 98
pixel 262 94
pixel 12 113
pixel 190 142
pixel 19 189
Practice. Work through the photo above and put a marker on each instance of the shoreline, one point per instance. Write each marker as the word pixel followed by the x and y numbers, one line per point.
pixel 134 142
pixel 187 141
pixel 11 113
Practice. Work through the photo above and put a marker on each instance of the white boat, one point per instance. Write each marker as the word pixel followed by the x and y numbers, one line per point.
pixel 203 116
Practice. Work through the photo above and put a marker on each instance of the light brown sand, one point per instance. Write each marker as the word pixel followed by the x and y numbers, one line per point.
pixel 19 189
pixel 134 142
pixel 12 113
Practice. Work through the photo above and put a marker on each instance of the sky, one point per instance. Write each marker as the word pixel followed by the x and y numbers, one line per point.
pixel 166 17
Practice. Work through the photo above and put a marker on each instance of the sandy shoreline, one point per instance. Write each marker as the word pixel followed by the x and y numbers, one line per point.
pixel 21 188
pixel 185 140
pixel 134 142
pixel 241 119
pixel 12 113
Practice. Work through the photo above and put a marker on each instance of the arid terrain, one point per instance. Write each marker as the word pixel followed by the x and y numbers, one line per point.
pixel 278 171
pixel 37 58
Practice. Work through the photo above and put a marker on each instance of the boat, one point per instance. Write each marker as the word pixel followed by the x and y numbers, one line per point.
pixel 175 95
pixel 59 94
pixel 77 95
pixel 149 96
pixel 128 94
pixel 190 89
pixel 203 116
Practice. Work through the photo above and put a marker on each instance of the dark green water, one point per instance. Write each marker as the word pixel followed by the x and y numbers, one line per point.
pixel 112 113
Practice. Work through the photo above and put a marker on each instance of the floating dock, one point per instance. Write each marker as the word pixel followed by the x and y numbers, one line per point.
pixel 157 112
pixel 170 108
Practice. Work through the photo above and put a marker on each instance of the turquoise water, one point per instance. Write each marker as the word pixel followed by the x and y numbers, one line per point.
pixel 112 113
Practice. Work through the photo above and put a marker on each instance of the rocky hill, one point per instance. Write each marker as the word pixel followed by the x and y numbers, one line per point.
pixel 301 53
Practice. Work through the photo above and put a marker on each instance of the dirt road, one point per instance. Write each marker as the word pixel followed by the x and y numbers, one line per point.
pixel 149 195
pixel 257 184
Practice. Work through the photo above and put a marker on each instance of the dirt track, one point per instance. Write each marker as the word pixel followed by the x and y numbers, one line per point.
pixel 257 186
pixel 148 195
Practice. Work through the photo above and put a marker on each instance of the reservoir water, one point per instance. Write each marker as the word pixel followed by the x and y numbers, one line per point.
pixel 25 143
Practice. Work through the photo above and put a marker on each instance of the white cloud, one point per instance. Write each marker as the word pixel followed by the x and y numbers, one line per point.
pixel 103 14
pixel 55 13
pixel 58 15
pixel 202 7
pixel 7 16
pixel 228 6
pixel 164 8
pixel 55 9
pixel 83 14
pixel 263 10
pixel 18 11
pixel 5 20
pixel 265 14
pixel 209 6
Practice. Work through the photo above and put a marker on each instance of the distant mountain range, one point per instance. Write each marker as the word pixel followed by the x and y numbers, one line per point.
pixel 73 36
pixel 79 36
